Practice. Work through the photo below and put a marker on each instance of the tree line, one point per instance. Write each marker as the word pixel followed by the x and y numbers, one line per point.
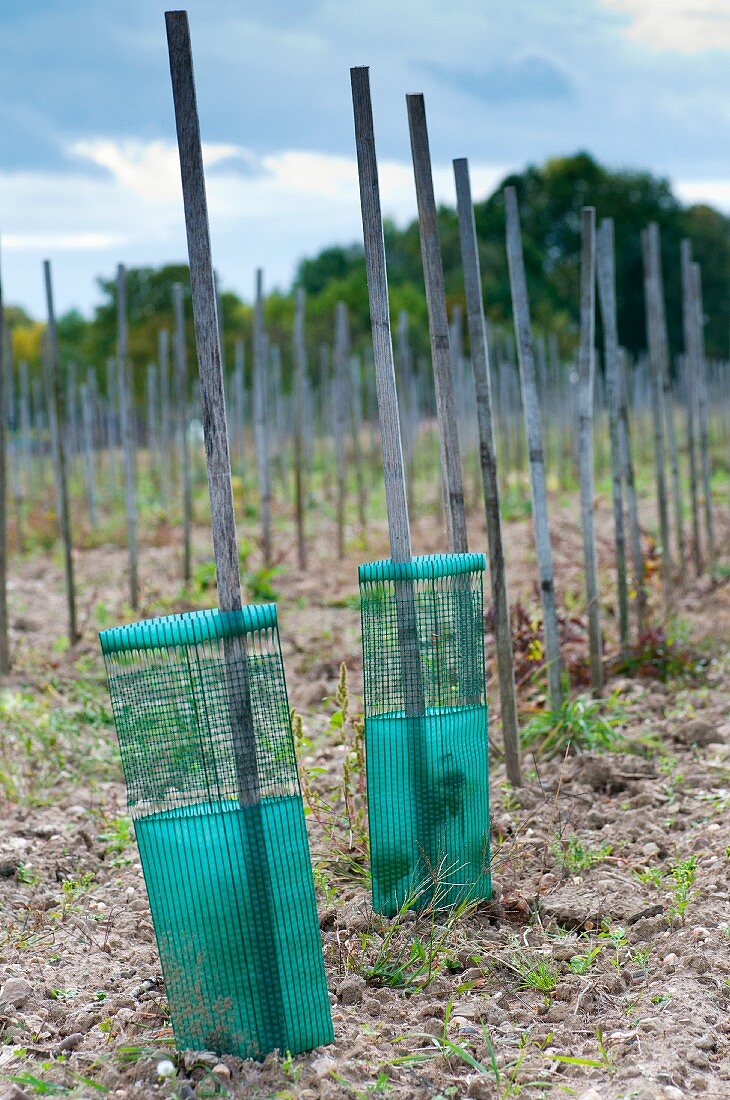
pixel 551 197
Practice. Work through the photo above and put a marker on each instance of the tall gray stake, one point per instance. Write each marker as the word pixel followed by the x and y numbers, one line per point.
pixel 387 394
pixel 657 407
pixel 4 643
pixel 126 418
pixel 607 298
pixel 53 401
pixel 533 432
pixel 586 372
pixel 490 481
pixel 438 323
pixel 182 390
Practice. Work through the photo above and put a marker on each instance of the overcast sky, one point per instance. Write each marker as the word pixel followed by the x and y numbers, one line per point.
pixel 89 173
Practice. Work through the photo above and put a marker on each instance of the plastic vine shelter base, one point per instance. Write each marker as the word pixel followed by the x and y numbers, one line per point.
pixel 227 867
pixel 426 731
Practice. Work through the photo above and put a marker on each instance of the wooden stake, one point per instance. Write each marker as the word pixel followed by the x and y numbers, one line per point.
pixel 53 401
pixel 607 298
pixel 354 390
pixel 164 359
pixel 533 433
pixel 239 394
pixel 393 470
pixel 11 420
pixel 341 404
pixel 438 324
pixel 409 407
pixel 126 418
pixel 87 413
pixel 182 389
pixel 691 354
pixel 657 407
pixel 586 372
pixel 490 482
pixel 704 438
pixel 300 374
pixel 662 354
pixel 261 420
pixel 637 555
pixel 4 633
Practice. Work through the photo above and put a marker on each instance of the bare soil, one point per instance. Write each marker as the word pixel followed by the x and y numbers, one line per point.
pixel 588 860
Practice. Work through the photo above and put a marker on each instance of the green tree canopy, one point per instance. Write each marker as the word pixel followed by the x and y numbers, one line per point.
pixel 550 199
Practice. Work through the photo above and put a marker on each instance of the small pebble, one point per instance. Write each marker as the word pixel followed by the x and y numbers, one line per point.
pixel 16 991
pixel 220 1069
pixel 351 989
pixel 323 1065
pixel 71 1041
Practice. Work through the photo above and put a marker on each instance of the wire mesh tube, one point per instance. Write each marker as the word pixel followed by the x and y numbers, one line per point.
pixel 426 733
pixel 227 868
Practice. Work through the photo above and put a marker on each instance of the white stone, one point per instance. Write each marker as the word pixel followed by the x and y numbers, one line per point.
pixel 16 991
pixel 323 1065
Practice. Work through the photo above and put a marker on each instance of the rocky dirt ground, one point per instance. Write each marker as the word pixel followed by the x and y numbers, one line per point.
pixel 600 970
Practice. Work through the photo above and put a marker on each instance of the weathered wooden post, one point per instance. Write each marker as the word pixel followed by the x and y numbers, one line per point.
pixel 53 402
pixel 607 298
pixel 112 426
pixel 438 324
pixel 657 408
pixel 261 419
pixel 586 372
pixel 13 436
pixel 26 440
pixel 533 433
pixel 163 356
pixel 126 421
pixel 488 461
pixel 299 390
pixel 632 500
pixel 87 414
pixel 340 416
pixel 704 439
pixel 690 365
pixel 355 416
pixel 239 396
pixel 409 406
pixel 152 431
pixel 182 389
pixel 662 355
pixel 4 632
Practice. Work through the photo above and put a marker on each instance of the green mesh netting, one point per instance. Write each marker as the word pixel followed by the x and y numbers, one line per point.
pixel 426 730
pixel 201 711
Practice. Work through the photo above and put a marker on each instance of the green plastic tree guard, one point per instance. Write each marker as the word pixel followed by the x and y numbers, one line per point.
pixel 229 878
pixel 426 746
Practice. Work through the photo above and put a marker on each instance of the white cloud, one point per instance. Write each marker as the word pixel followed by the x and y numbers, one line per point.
pixel 687 26
pixel 714 192
pixel 150 169
pixel 292 204
pixel 58 242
